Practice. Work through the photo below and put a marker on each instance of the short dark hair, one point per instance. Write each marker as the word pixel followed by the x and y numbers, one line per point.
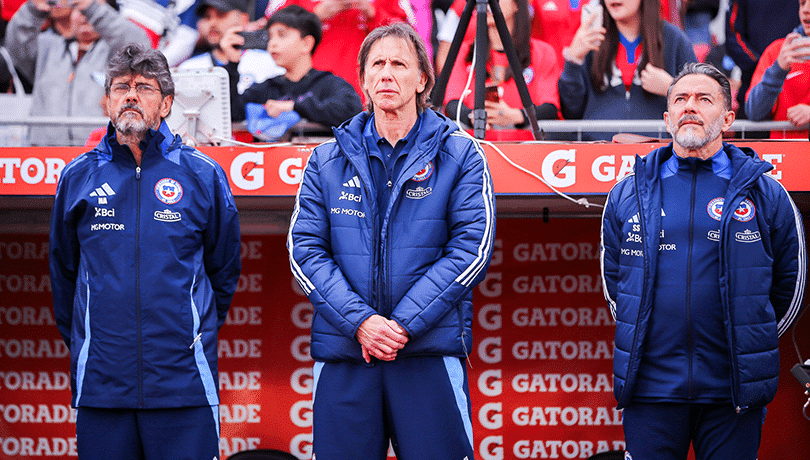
pixel 134 59
pixel 407 33
pixel 300 19
pixel 691 68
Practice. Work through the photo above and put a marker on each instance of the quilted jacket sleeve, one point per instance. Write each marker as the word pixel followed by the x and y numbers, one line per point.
pixel 610 249
pixel 789 261
pixel 471 227
pixel 311 261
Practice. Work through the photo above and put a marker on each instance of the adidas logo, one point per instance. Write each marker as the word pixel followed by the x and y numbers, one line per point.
pixel 634 219
pixel 102 193
pixel 353 182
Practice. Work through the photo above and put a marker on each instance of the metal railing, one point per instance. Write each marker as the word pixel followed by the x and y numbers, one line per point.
pixel 575 127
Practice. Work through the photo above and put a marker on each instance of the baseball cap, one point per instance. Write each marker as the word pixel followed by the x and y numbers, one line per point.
pixel 222 5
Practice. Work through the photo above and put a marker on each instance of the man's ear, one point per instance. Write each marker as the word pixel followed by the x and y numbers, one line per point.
pixel 166 106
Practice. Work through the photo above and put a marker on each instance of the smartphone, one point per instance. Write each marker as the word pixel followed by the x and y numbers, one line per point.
pixel 491 94
pixel 804 43
pixel 255 40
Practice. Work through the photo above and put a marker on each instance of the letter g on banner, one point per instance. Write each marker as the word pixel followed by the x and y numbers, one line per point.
pixel 566 176
pixel 245 171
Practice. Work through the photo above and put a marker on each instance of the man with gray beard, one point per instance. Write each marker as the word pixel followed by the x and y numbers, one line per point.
pixel 144 258
pixel 703 265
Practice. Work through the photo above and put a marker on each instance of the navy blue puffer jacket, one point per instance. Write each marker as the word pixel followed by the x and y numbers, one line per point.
pixel 761 275
pixel 419 269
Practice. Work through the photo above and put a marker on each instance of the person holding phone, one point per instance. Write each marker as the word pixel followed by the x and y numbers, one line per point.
pixel 317 96
pixel 780 88
pixel 619 65
pixel 220 20
pixel 503 104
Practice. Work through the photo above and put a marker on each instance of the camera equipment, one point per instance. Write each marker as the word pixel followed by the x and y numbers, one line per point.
pixel 481 40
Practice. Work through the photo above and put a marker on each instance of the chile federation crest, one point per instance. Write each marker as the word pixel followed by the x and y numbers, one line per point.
pixel 168 191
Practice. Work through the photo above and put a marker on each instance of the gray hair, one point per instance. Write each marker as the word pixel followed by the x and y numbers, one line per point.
pixel 134 59
pixel 407 33
pixel 691 68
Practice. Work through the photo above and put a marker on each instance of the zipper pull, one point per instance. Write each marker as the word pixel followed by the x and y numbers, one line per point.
pixel 137 172
pixel 196 339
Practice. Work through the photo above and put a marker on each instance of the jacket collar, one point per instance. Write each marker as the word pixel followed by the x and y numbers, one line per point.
pixel 157 142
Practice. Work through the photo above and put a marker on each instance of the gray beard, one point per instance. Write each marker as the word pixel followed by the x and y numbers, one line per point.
pixel 692 141
pixel 133 126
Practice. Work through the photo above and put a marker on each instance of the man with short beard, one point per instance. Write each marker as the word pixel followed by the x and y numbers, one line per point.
pixel 703 265
pixel 144 259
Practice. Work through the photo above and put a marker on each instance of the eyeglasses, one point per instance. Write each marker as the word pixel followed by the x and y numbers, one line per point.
pixel 141 89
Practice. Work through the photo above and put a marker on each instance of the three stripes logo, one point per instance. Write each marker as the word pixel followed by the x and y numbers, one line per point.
pixel 354 182
pixel 102 193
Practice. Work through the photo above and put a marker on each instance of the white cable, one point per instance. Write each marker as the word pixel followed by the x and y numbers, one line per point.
pixel 245 144
pixel 582 201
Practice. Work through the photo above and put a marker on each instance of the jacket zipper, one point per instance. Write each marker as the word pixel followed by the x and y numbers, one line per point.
pixel 138 283
pixel 689 338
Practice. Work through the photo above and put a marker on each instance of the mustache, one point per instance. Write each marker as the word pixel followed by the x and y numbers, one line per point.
pixel 689 117
pixel 130 106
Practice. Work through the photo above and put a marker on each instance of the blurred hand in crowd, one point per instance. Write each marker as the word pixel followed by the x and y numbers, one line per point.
pixel 586 39
pixel 799 115
pixel 231 43
pixel 794 49
pixel 326 9
pixel 276 108
pixel 655 80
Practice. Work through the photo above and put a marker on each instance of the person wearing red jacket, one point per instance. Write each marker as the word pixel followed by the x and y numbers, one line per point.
pixel 345 25
pixel 540 72
pixel 780 87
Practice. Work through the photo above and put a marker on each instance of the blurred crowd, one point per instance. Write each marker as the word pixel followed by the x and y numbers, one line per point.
pixel 292 60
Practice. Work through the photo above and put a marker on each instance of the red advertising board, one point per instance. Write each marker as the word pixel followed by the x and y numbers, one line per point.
pixel 276 170
pixel 539 372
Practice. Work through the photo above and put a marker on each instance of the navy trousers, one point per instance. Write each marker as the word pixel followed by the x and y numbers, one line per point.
pixel 420 404
pixel 190 433
pixel 664 431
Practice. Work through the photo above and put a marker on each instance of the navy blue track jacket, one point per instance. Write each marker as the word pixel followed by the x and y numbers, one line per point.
pixel 144 263
pixel 419 269
pixel 762 270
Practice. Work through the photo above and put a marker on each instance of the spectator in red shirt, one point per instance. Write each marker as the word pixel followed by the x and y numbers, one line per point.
pixel 541 70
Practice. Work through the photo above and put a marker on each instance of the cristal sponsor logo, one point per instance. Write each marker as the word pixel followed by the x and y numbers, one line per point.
pixel 714 235
pixel 747 236
pixel 418 193
pixel 104 212
pixel 102 193
pixel 348 212
pixel 107 226
pixel 350 197
pixel 167 216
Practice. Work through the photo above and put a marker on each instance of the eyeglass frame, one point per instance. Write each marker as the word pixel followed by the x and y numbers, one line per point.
pixel 138 87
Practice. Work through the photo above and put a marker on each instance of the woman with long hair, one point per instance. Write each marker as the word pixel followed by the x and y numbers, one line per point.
pixel 622 70
pixel 540 72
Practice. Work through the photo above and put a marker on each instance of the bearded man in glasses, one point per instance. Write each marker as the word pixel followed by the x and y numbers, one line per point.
pixel 145 258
